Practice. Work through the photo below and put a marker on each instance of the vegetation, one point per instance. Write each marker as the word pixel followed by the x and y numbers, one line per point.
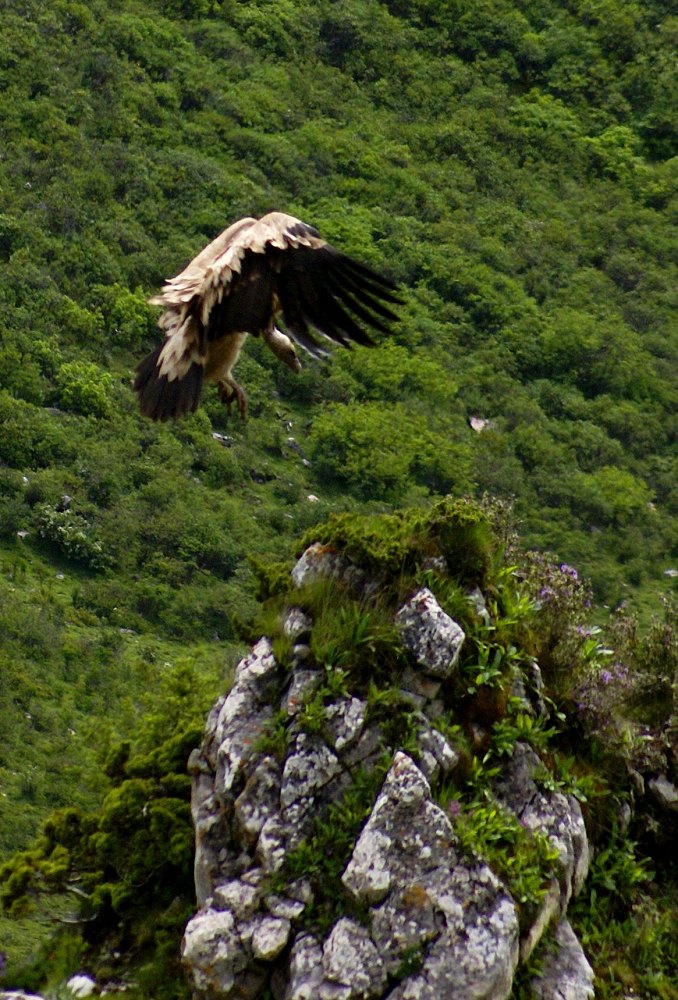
pixel 129 863
pixel 130 866
pixel 512 166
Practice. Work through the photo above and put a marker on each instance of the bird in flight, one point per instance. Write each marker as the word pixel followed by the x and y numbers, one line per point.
pixel 253 275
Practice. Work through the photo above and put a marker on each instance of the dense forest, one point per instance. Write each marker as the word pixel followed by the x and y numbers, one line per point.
pixel 512 165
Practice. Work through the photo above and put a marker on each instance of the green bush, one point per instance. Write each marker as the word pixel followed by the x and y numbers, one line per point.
pixel 72 535
pixel 378 450
pixel 132 858
pixel 30 437
pixel 84 388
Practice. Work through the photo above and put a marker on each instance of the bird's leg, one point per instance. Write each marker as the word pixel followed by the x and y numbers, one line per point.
pixel 230 392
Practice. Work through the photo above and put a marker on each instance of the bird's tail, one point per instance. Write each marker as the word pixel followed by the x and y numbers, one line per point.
pixel 166 398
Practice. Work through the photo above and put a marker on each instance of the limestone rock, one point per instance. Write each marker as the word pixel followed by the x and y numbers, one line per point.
pixel 438 924
pixel 393 838
pixel 436 756
pixel 432 637
pixel 271 845
pixel 367 749
pixel 305 970
pixel 664 793
pixel 239 897
pixel 302 686
pixel 284 906
pixel 424 896
pixel 243 715
pixel 344 722
pixel 321 561
pixel 258 664
pixel 352 962
pixel 557 815
pixel 270 937
pixel 419 687
pixel 214 952
pixel 210 830
pixel 565 972
pixel 301 652
pixel 259 799
pixel 81 985
pixel 297 625
pixel 476 599
pixel 309 766
pixel 19 995
pixel 549 910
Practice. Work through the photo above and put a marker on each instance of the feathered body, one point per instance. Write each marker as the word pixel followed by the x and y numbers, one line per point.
pixel 254 274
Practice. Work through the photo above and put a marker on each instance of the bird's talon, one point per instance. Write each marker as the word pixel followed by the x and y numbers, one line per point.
pixel 229 394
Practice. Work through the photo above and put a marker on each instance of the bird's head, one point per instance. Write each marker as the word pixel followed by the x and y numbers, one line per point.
pixel 283 348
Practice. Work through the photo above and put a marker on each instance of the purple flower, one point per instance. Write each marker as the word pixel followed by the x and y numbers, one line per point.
pixel 605 676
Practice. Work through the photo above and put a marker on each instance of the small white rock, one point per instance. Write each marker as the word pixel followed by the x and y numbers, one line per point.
pixel 81 985
pixel 428 632
pixel 270 937
pixel 296 624
pixel 237 896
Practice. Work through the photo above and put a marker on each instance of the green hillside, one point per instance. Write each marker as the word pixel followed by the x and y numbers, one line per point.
pixel 511 165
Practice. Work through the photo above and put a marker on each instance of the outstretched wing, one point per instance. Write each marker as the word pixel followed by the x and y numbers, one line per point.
pixel 321 288
pixel 250 275
pixel 282 265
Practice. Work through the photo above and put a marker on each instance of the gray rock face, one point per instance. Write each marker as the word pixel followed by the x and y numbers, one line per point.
pixel 306 971
pixel 424 897
pixel 297 625
pixel 433 638
pixel 558 816
pixel 310 765
pixel 345 720
pixel 243 715
pixel 258 801
pixel 269 937
pixel 664 793
pixel 351 964
pixel 213 949
pixel 81 985
pixel 320 561
pixel 302 686
pixel 565 972
pixel 436 924
pixel 436 756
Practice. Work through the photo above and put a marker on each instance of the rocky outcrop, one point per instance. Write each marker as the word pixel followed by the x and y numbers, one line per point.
pixel 416 915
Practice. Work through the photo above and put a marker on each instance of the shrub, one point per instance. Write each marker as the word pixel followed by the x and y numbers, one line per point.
pixel 72 535
pixel 84 388
pixel 30 438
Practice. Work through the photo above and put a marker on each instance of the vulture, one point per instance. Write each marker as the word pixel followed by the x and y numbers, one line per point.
pixel 255 274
